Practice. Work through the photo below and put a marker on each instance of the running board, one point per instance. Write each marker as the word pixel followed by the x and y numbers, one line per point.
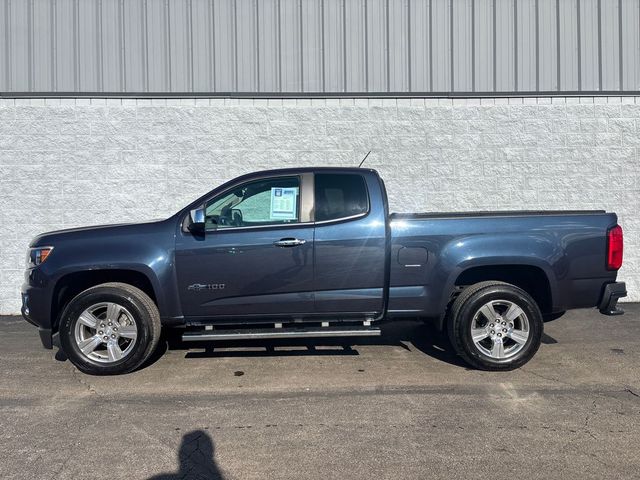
pixel 269 333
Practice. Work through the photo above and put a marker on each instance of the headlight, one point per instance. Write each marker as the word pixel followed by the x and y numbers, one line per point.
pixel 37 256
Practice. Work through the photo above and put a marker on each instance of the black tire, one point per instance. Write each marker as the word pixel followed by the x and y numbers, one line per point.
pixel 137 303
pixel 462 314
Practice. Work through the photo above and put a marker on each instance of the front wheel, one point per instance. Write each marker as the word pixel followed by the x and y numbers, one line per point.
pixel 110 329
pixel 495 326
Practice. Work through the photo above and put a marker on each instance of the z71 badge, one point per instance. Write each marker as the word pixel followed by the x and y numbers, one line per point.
pixel 196 287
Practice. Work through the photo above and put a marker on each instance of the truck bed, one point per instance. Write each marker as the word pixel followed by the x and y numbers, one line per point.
pixel 431 250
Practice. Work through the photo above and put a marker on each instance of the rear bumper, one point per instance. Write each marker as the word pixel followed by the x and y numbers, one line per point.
pixel 612 292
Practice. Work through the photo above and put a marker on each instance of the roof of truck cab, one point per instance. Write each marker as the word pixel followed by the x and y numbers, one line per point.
pixel 313 169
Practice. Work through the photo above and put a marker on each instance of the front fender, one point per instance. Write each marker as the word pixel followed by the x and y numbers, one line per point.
pixel 149 252
pixel 149 273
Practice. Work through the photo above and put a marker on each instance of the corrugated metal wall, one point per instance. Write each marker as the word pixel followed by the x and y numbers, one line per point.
pixel 316 46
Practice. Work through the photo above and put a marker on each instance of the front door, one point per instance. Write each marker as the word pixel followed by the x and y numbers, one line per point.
pixel 255 258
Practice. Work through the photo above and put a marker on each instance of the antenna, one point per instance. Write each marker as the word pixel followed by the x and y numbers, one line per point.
pixel 365 157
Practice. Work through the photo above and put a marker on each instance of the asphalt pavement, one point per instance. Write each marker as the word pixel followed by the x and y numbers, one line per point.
pixel 395 407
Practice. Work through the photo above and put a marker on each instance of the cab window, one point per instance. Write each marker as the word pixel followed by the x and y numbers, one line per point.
pixel 339 196
pixel 273 201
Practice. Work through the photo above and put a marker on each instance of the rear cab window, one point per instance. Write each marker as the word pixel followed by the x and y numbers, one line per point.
pixel 340 196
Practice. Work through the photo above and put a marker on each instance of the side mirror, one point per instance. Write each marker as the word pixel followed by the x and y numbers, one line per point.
pixel 197 220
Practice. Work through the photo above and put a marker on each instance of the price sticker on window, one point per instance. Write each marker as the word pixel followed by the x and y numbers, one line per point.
pixel 284 203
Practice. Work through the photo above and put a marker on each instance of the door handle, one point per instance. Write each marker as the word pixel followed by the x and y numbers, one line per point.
pixel 289 242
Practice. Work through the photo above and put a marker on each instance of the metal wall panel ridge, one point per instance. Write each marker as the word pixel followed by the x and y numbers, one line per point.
pixel 316 47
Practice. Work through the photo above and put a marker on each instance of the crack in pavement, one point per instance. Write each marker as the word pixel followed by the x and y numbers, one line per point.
pixel 628 390
pixel 551 379
pixel 587 418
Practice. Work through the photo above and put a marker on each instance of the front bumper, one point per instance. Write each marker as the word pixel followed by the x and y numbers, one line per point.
pixel 46 334
pixel 612 292
pixel 35 302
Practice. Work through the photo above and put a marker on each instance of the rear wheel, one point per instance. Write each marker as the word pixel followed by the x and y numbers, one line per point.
pixel 110 329
pixel 495 326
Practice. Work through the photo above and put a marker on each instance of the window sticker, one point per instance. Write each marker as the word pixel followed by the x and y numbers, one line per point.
pixel 284 203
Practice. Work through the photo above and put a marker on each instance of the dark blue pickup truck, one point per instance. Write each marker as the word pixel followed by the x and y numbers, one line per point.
pixel 314 252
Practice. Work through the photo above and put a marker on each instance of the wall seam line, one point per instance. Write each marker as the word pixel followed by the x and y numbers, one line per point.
pixel 30 72
pixel 451 47
pixel 599 10
pixel 54 45
pixel 578 25
pixel 430 45
pixel 257 46
pixel 620 46
pixel 558 47
pixel 495 46
pixel 301 33
pixel 473 45
pixel 515 44
pixel 537 36
pixel 409 73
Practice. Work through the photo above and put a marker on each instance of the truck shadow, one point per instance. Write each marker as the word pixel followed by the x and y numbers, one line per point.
pixel 409 335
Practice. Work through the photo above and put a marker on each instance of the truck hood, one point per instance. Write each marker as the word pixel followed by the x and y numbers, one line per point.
pixel 57 236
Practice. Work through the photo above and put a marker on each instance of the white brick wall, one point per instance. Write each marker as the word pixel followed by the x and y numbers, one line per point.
pixel 74 162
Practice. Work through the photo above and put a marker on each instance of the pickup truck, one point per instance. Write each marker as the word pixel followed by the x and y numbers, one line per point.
pixel 314 252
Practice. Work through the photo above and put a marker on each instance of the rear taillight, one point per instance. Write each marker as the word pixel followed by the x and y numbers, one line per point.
pixel 614 248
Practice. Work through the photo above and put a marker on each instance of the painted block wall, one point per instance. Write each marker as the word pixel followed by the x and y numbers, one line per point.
pixel 73 162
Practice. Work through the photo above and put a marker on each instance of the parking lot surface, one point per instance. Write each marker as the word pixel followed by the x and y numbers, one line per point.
pixel 398 406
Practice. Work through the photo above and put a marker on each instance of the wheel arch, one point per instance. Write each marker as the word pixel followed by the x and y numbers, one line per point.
pixel 71 284
pixel 531 278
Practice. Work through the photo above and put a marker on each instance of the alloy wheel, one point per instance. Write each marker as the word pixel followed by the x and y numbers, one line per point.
pixel 500 329
pixel 106 332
